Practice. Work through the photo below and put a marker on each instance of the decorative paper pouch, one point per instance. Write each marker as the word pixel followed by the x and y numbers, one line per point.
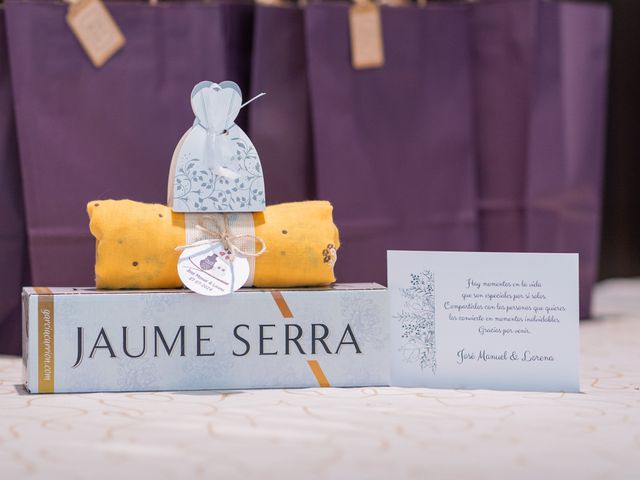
pixel 136 243
pixel 215 167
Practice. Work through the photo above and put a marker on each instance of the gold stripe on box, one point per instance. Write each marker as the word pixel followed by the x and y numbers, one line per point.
pixel 45 340
pixel 318 373
pixel 313 364
pixel 282 304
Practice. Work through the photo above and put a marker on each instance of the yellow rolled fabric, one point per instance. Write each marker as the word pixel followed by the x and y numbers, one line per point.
pixel 135 244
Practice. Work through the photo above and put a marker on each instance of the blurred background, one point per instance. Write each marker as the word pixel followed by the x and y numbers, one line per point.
pixel 495 125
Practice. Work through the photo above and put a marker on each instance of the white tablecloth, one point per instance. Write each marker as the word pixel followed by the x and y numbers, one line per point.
pixel 344 433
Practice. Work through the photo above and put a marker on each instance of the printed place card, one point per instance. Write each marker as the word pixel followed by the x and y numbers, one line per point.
pixel 506 321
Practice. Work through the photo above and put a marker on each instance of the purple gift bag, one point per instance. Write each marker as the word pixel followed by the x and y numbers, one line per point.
pixel 280 124
pixel 502 33
pixel 394 145
pixel 87 133
pixel 13 240
pixel 567 135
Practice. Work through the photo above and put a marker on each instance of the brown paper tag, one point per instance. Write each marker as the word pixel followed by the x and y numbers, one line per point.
pixel 95 29
pixel 271 3
pixel 367 48
pixel 395 3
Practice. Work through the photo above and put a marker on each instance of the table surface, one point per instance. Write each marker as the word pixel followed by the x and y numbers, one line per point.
pixel 345 433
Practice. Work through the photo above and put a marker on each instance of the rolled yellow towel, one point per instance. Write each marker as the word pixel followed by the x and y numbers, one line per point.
pixel 135 244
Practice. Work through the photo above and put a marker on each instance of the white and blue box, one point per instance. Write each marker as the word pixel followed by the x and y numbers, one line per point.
pixel 87 340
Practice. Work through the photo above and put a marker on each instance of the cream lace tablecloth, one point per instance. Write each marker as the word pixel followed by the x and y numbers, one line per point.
pixel 344 433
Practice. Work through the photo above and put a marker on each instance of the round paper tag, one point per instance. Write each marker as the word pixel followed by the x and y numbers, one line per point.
pixel 209 270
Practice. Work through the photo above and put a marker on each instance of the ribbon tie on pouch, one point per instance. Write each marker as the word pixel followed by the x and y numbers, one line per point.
pixel 222 233
pixel 216 115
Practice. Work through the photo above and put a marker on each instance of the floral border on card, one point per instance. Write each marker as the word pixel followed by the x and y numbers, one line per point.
pixel 418 322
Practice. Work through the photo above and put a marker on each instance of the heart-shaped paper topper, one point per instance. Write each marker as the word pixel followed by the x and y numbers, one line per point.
pixel 215 167
pixel 216 106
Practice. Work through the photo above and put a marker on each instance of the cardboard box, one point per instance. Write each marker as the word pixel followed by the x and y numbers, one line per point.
pixel 85 340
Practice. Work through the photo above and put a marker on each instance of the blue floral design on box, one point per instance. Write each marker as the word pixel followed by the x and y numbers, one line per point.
pixel 199 189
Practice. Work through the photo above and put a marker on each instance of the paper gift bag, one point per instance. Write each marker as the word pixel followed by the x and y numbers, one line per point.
pixel 620 250
pixel 567 135
pixel 87 132
pixel 280 124
pixel 13 241
pixel 502 34
pixel 394 145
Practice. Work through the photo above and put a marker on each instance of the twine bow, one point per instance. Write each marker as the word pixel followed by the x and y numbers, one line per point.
pixel 228 240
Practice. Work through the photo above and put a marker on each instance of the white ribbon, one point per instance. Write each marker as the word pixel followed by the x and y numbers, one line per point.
pixel 219 144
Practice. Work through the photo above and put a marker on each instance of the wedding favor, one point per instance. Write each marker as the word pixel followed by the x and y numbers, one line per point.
pixel 449 319
pixel 87 340
pixel 215 167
